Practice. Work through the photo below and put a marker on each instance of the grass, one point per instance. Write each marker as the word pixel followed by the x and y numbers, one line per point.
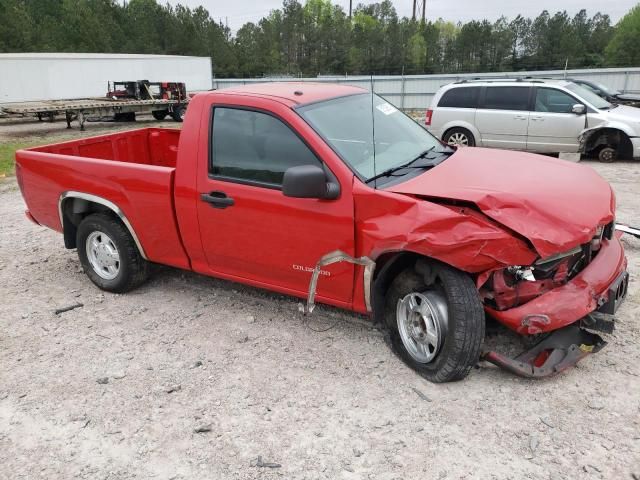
pixel 8 151
pixel 7 156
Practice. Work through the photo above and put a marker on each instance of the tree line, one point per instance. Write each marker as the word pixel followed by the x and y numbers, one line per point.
pixel 318 37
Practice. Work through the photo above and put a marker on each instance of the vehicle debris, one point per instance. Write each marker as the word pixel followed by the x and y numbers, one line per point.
pixel 560 350
pixel 58 311
pixel 258 462
pixel 635 231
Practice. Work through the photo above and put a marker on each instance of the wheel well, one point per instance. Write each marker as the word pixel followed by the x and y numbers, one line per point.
pixel 388 266
pixel 73 211
pixel 610 137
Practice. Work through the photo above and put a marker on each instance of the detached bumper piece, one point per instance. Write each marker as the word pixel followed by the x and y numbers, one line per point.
pixel 560 350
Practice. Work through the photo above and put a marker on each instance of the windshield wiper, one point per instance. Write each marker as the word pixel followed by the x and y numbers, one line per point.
pixel 389 171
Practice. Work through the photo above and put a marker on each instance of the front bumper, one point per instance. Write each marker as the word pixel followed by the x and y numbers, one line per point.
pixel 588 291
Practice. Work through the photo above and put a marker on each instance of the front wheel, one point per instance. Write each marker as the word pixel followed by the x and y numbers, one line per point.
pixel 109 255
pixel 435 321
pixel 459 137
pixel 608 155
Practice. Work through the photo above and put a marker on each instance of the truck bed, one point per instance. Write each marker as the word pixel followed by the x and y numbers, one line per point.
pixel 146 146
pixel 133 169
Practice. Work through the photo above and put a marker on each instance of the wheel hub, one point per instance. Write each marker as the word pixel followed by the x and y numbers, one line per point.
pixel 103 255
pixel 459 139
pixel 422 323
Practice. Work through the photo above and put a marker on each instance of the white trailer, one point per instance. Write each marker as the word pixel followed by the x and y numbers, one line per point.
pixel 28 77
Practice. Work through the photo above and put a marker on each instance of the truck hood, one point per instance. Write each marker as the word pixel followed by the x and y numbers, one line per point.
pixel 555 204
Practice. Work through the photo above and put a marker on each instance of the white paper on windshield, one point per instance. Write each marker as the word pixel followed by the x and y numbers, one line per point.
pixel 387 108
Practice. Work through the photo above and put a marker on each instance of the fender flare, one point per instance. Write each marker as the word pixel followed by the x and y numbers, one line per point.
pixel 100 201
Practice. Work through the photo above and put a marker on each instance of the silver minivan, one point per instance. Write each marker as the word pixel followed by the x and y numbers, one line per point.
pixel 545 116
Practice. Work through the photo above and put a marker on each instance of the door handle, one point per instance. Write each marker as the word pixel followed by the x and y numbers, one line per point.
pixel 520 117
pixel 217 199
pixel 537 118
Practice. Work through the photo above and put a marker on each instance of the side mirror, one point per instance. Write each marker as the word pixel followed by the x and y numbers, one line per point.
pixel 579 109
pixel 308 181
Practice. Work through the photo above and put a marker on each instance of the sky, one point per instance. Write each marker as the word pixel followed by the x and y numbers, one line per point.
pixel 238 12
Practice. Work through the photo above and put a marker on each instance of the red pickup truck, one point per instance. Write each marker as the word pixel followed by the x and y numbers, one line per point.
pixel 331 193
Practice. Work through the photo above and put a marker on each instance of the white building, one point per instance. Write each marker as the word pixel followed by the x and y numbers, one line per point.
pixel 60 76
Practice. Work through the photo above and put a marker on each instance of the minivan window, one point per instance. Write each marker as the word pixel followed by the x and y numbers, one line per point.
pixel 553 101
pixel 255 147
pixel 460 97
pixel 507 98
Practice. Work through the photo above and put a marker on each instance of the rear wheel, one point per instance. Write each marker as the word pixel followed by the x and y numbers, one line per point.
pixel 109 255
pixel 459 137
pixel 178 113
pixel 436 321
pixel 160 114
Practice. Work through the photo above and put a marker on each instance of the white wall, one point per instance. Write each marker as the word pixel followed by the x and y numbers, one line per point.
pixel 416 91
pixel 26 77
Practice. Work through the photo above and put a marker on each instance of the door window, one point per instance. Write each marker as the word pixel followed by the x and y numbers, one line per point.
pixel 254 147
pixel 460 97
pixel 553 101
pixel 507 98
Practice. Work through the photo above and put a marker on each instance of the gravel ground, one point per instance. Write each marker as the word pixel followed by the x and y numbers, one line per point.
pixel 191 377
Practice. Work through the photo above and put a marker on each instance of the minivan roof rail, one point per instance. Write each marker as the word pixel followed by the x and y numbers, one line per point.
pixel 511 79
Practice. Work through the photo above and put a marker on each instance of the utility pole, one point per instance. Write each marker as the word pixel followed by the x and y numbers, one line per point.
pixel 350 7
pixel 420 10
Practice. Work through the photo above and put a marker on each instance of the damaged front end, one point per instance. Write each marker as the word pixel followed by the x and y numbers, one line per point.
pixel 563 296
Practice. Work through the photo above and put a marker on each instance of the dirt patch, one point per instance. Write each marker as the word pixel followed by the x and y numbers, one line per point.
pixel 192 377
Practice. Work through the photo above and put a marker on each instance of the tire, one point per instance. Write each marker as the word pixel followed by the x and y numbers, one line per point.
pixel 453 298
pixel 460 137
pixel 608 155
pixel 125 117
pixel 115 265
pixel 160 114
pixel 178 113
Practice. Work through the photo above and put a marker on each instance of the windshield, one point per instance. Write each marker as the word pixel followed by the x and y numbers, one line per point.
pixel 603 88
pixel 586 94
pixel 347 125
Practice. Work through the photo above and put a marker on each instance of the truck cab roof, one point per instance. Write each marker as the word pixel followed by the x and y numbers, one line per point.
pixel 293 93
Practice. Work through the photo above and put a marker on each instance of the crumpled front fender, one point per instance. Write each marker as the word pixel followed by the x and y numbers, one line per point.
pixel 456 235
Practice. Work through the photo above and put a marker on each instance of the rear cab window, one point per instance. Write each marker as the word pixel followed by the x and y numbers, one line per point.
pixel 460 97
pixel 254 148
pixel 506 98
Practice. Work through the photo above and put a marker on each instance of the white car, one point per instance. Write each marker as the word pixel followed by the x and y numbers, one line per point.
pixel 545 116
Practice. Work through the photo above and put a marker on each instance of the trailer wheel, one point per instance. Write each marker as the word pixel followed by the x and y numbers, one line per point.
pixel 109 255
pixel 435 321
pixel 178 113
pixel 160 114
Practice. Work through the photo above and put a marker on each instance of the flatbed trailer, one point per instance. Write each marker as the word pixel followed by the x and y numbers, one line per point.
pixel 82 109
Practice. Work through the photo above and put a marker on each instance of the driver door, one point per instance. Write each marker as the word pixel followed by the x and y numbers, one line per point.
pixel 553 127
pixel 249 230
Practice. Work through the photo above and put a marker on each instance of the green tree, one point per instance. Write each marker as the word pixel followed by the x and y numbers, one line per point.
pixel 624 47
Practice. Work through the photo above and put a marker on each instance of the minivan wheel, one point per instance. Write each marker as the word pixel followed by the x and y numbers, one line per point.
pixel 460 137
pixel 435 321
pixel 109 255
pixel 608 155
